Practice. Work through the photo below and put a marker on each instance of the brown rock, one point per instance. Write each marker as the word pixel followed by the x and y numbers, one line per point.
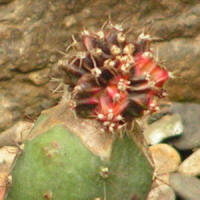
pixel 8 111
pixel 5 1
pixel 166 159
pixel 39 77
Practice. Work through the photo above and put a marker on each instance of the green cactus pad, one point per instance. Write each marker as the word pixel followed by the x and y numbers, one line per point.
pixel 58 165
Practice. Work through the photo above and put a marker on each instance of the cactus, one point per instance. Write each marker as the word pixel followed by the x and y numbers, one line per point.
pixel 70 156
pixel 67 158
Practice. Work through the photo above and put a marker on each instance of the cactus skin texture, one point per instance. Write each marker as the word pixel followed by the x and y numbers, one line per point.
pixel 66 158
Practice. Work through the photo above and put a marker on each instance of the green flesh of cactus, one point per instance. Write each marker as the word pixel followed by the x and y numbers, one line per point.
pixel 60 164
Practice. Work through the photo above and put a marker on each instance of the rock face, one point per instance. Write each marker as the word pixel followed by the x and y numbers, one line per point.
pixel 32 32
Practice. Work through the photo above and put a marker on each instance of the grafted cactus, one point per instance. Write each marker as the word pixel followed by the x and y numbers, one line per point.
pixel 70 156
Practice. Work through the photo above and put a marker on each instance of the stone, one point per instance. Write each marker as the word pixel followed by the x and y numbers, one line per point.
pixel 162 192
pixel 187 187
pixel 8 111
pixel 190 115
pixel 16 134
pixel 165 158
pixel 7 157
pixel 5 74
pixel 167 126
pixel 191 165
pixel 5 1
pixel 39 77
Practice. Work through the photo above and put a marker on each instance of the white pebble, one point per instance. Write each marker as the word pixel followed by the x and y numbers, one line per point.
pixel 167 126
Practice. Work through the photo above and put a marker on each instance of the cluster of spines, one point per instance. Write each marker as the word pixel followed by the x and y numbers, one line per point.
pixel 115 79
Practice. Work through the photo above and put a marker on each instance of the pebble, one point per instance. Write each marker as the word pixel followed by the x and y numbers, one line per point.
pixel 187 187
pixel 190 115
pixel 7 156
pixel 162 192
pixel 191 165
pixel 167 126
pixel 165 158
